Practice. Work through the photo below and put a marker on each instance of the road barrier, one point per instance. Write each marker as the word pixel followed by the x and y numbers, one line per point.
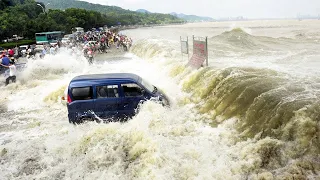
pixel 184 46
pixel 200 51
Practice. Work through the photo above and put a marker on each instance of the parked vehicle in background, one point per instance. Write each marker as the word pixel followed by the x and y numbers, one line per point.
pixel 112 97
pixel 13 39
pixel 48 37
pixel 1 50
pixel 65 41
pixel 70 37
pixel 78 30
pixel 16 37
pixel 54 42
pixel 39 47
pixel 23 50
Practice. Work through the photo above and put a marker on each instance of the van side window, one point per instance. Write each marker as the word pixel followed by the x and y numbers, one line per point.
pixel 132 90
pixel 110 91
pixel 82 93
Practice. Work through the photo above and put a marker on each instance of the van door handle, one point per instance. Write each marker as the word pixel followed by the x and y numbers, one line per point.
pixel 126 104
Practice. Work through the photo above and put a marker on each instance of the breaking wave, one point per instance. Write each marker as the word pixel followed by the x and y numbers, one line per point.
pixel 239 40
pixel 278 110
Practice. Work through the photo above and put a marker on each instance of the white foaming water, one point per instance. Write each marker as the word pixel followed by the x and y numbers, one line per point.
pixel 159 143
pixel 37 142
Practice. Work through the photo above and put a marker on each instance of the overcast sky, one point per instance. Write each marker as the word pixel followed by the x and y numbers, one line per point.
pixel 223 8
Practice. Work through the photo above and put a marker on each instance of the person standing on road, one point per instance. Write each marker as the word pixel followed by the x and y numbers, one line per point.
pixel 13 72
pixel 43 53
pixel 52 50
pixel 17 52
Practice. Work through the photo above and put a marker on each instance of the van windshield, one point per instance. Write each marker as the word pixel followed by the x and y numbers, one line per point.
pixel 150 87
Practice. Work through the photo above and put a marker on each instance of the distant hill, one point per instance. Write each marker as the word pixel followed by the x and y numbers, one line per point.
pixel 143 11
pixel 189 18
pixel 65 4
pixel 123 16
pixel 192 18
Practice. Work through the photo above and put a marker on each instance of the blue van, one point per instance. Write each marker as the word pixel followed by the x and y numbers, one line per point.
pixel 111 97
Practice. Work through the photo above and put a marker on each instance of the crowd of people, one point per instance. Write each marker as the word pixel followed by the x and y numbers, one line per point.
pixel 92 42
pixel 89 43
pixel 29 51
pixel 10 53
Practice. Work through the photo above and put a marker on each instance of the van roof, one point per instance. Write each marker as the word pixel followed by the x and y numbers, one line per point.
pixel 113 76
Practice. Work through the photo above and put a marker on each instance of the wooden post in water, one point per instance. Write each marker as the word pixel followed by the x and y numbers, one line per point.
pixel 181 49
pixel 188 46
pixel 207 58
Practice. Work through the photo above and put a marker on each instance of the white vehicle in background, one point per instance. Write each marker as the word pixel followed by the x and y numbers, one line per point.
pixel 39 47
pixel 78 30
pixel 65 41
pixel 69 36
pixel 23 50
pixel 54 43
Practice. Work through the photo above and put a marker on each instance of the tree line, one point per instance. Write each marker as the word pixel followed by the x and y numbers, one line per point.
pixel 115 13
pixel 25 18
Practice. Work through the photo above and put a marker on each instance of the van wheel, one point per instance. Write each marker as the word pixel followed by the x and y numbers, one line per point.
pixel 87 119
pixel 76 122
pixel 97 120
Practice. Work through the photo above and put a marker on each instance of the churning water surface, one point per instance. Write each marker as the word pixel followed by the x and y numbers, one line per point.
pixel 252 114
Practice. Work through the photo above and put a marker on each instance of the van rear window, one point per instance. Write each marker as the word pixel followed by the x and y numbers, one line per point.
pixel 82 93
